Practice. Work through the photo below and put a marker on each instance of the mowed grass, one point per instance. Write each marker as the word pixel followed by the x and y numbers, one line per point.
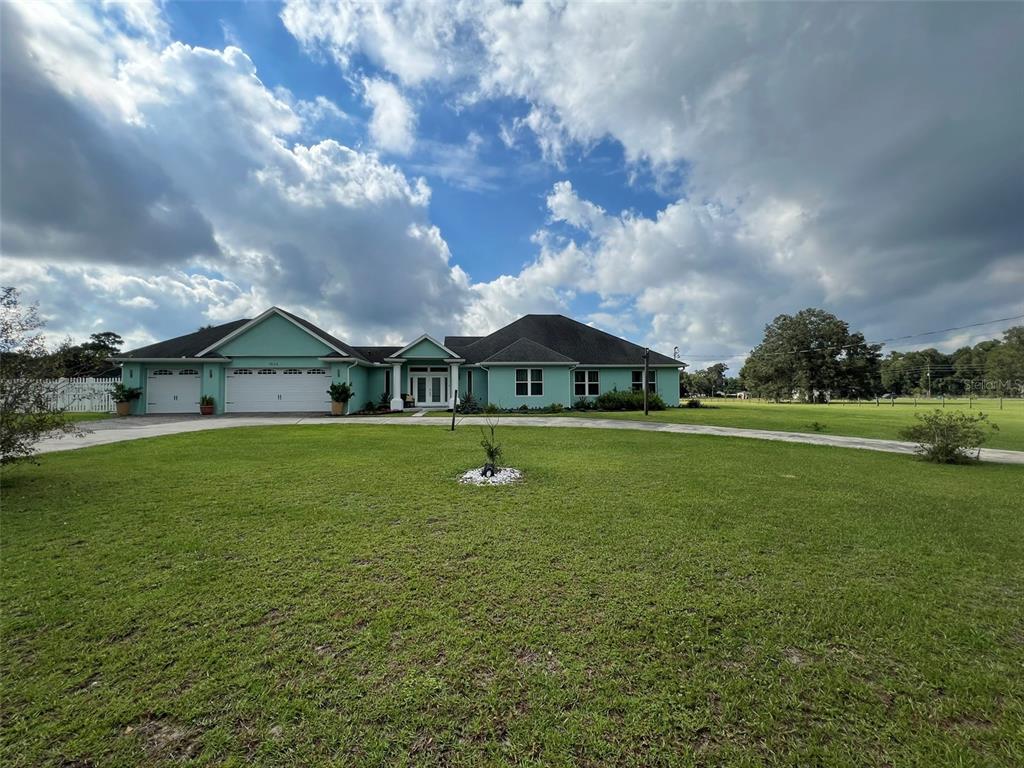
pixel 857 420
pixel 330 595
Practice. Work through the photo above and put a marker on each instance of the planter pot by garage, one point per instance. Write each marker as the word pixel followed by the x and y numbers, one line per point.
pixel 123 409
pixel 337 409
pixel 206 410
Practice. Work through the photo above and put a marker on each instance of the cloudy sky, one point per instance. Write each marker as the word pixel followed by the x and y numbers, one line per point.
pixel 678 174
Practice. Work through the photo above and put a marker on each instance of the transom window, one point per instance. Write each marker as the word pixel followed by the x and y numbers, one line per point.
pixel 586 383
pixel 638 381
pixel 188 372
pixel 267 371
pixel 529 382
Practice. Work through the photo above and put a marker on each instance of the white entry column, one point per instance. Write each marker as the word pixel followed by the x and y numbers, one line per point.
pixel 453 383
pixel 397 404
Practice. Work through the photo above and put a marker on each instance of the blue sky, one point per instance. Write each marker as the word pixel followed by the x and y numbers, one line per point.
pixel 676 173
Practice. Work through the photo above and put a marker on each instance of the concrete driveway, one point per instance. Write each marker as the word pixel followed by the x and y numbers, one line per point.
pixel 117 430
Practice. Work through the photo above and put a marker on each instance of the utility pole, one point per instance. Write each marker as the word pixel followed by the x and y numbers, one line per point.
pixel 647 361
pixel 929 381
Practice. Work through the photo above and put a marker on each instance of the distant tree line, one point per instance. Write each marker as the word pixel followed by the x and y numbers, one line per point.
pixel 814 356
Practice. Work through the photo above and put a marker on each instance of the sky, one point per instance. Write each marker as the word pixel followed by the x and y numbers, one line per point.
pixel 678 174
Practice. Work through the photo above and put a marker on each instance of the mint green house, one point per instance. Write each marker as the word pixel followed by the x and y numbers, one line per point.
pixel 280 362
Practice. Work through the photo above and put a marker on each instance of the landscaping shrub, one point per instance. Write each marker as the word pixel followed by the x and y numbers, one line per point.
pixel 948 437
pixel 469 404
pixel 628 401
pixel 490 444
pixel 694 403
pixel 583 404
pixel 555 408
pixel 491 408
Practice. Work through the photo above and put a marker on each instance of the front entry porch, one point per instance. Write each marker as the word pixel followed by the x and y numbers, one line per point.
pixel 429 386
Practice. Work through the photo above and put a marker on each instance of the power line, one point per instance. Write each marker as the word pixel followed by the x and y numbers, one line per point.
pixel 881 342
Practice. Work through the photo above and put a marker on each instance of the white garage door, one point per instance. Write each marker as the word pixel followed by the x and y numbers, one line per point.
pixel 172 390
pixel 255 390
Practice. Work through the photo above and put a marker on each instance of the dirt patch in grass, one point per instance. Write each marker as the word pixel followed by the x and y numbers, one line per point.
pixel 166 739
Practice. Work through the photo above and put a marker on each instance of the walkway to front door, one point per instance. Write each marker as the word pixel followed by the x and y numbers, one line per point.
pixel 429 386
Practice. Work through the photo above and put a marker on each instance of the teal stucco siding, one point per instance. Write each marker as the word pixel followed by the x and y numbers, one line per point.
pixel 212 383
pixel 479 389
pixel 666 381
pixel 501 387
pixel 424 349
pixel 275 337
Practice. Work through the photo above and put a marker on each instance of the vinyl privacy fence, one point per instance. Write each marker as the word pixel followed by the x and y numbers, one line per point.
pixel 83 395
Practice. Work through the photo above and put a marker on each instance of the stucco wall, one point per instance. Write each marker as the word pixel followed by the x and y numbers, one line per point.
pixel 501 387
pixel 275 337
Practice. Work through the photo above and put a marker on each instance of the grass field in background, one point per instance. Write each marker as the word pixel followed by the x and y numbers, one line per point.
pixel 294 595
pixel 855 419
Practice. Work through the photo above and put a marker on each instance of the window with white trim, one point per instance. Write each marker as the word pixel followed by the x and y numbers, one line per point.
pixel 586 383
pixel 529 382
pixel 188 372
pixel 320 371
pixel 292 371
pixel 161 372
pixel 242 372
pixel 267 371
pixel 638 381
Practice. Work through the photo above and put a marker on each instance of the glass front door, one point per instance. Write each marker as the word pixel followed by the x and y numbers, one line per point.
pixel 430 389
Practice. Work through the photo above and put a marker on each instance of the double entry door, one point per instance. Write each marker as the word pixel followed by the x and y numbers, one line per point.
pixel 429 386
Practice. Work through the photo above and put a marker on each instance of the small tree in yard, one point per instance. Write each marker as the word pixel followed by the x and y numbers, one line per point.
pixel 491 446
pixel 28 388
pixel 949 438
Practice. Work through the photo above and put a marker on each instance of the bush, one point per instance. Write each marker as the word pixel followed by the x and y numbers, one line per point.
pixel 119 393
pixel 694 403
pixel 469 404
pixel 583 404
pixel 555 408
pixel 628 401
pixel 491 408
pixel 490 444
pixel 948 437
pixel 341 393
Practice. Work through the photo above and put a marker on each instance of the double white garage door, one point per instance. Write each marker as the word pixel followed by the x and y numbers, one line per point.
pixel 256 390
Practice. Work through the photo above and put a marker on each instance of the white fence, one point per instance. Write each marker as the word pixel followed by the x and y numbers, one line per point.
pixel 83 395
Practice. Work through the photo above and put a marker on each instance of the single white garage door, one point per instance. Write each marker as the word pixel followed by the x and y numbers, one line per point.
pixel 172 390
pixel 255 390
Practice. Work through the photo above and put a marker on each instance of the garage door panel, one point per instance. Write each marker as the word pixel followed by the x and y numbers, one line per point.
pixel 172 390
pixel 256 390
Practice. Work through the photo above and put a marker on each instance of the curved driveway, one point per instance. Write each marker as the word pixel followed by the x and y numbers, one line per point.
pixel 135 428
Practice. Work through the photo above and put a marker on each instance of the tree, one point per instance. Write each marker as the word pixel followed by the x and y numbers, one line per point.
pixel 91 357
pixel 1004 363
pixel 812 353
pixel 29 407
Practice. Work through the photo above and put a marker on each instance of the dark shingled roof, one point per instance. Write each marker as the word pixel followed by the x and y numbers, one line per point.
pixel 189 345
pixel 455 343
pixel 567 337
pixel 527 351
pixel 376 354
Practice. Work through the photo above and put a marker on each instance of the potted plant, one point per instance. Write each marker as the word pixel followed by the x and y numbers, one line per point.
pixel 123 397
pixel 206 405
pixel 340 394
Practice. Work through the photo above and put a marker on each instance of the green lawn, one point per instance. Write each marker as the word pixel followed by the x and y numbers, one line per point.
pixel 314 595
pixel 858 420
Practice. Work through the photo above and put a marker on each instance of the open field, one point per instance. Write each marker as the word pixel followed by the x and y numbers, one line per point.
pixel 857 420
pixel 301 595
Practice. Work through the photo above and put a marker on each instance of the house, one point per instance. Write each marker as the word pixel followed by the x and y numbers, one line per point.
pixel 281 362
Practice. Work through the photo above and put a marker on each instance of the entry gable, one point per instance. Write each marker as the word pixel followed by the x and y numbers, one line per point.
pixel 425 347
pixel 273 334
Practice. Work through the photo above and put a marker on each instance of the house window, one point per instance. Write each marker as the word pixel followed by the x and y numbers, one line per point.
pixel 529 382
pixel 638 381
pixel 587 383
pixel 469 383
